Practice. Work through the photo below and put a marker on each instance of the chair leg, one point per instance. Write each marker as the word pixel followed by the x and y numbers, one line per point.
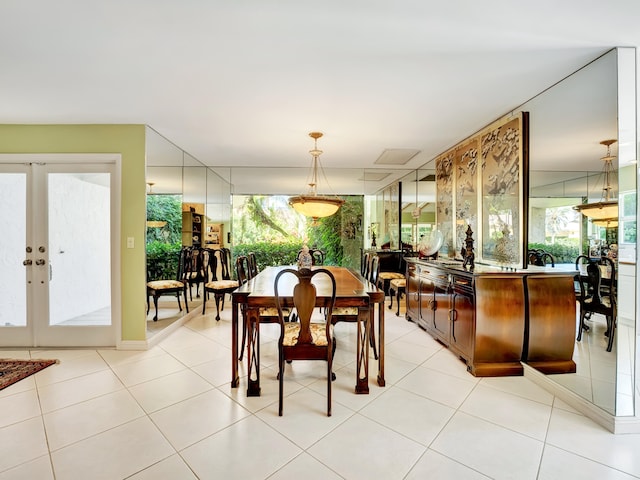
pixel 580 326
pixel 186 304
pixel 217 297
pixel 244 337
pixel 398 296
pixel 372 333
pixel 280 382
pixel 391 292
pixel 333 353
pixel 329 381
pixel 155 304
pixel 611 327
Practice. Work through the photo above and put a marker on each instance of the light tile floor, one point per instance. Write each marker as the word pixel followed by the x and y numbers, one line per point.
pixel 169 413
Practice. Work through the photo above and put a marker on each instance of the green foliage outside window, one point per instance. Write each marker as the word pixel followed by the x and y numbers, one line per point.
pixel 163 244
pixel 269 227
pixel 165 208
pixel 270 254
pixel 564 250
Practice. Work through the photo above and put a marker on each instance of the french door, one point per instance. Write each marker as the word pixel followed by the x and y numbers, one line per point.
pixel 55 254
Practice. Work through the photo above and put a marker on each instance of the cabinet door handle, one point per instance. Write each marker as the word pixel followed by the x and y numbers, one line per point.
pixel 462 282
pixel 454 317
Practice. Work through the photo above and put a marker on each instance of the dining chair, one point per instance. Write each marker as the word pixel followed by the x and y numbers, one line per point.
pixel 350 314
pixel 397 288
pixel 596 293
pixel 365 265
pixel 317 256
pixel 305 339
pixel 267 314
pixel 218 259
pixel 540 258
pixel 177 286
pixel 194 271
pixel 242 269
pixel 385 277
pixel 253 264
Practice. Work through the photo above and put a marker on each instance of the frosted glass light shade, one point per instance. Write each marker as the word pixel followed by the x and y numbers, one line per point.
pixel 315 206
pixel 599 210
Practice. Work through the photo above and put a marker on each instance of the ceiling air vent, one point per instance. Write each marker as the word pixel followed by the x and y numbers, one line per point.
pixel 396 156
pixel 370 176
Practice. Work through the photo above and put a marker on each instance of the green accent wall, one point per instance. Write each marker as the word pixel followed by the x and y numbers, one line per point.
pixel 129 142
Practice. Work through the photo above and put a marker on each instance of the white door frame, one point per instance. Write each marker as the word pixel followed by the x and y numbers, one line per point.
pixel 116 201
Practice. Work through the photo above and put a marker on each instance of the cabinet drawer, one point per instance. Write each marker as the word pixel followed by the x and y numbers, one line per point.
pixel 462 284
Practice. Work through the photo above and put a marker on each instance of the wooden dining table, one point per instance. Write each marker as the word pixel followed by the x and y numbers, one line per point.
pixel 352 290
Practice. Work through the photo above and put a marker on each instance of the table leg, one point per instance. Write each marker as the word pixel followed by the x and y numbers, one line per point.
pixel 253 352
pixel 235 379
pixel 362 352
pixel 381 380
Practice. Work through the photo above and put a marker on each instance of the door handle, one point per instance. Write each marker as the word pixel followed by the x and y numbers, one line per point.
pixel 40 261
pixel 27 262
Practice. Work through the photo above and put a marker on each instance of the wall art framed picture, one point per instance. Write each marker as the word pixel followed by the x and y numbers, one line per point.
pixel 466 191
pixel 504 148
pixel 444 203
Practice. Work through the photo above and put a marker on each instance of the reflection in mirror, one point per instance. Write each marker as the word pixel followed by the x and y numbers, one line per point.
pixel 567 124
pixel 408 212
pixel 180 192
pixel 218 212
pixel 426 203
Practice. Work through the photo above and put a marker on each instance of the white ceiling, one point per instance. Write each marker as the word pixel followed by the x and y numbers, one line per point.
pixel 241 83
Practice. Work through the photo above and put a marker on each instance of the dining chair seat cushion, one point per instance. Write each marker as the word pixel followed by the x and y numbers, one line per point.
pixel 270 311
pixel 397 283
pixel 222 284
pixel 604 301
pixel 318 334
pixel 340 311
pixel 390 275
pixel 164 284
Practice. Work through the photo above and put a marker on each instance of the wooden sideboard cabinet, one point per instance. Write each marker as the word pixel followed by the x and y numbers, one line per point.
pixel 482 316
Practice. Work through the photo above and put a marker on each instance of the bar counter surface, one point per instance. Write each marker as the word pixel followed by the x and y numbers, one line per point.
pixel 494 318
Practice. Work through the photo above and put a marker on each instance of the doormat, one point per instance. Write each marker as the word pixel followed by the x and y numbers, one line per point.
pixel 12 371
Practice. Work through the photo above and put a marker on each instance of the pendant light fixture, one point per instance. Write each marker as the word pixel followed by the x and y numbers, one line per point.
pixel 606 210
pixel 314 205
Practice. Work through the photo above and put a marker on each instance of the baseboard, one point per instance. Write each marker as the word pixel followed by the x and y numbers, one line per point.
pixel 132 345
pixel 158 337
pixel 617 425
pixel 588 409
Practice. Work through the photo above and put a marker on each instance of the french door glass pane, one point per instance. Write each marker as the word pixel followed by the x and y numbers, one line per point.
pixel 79 249
pixel 13 274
